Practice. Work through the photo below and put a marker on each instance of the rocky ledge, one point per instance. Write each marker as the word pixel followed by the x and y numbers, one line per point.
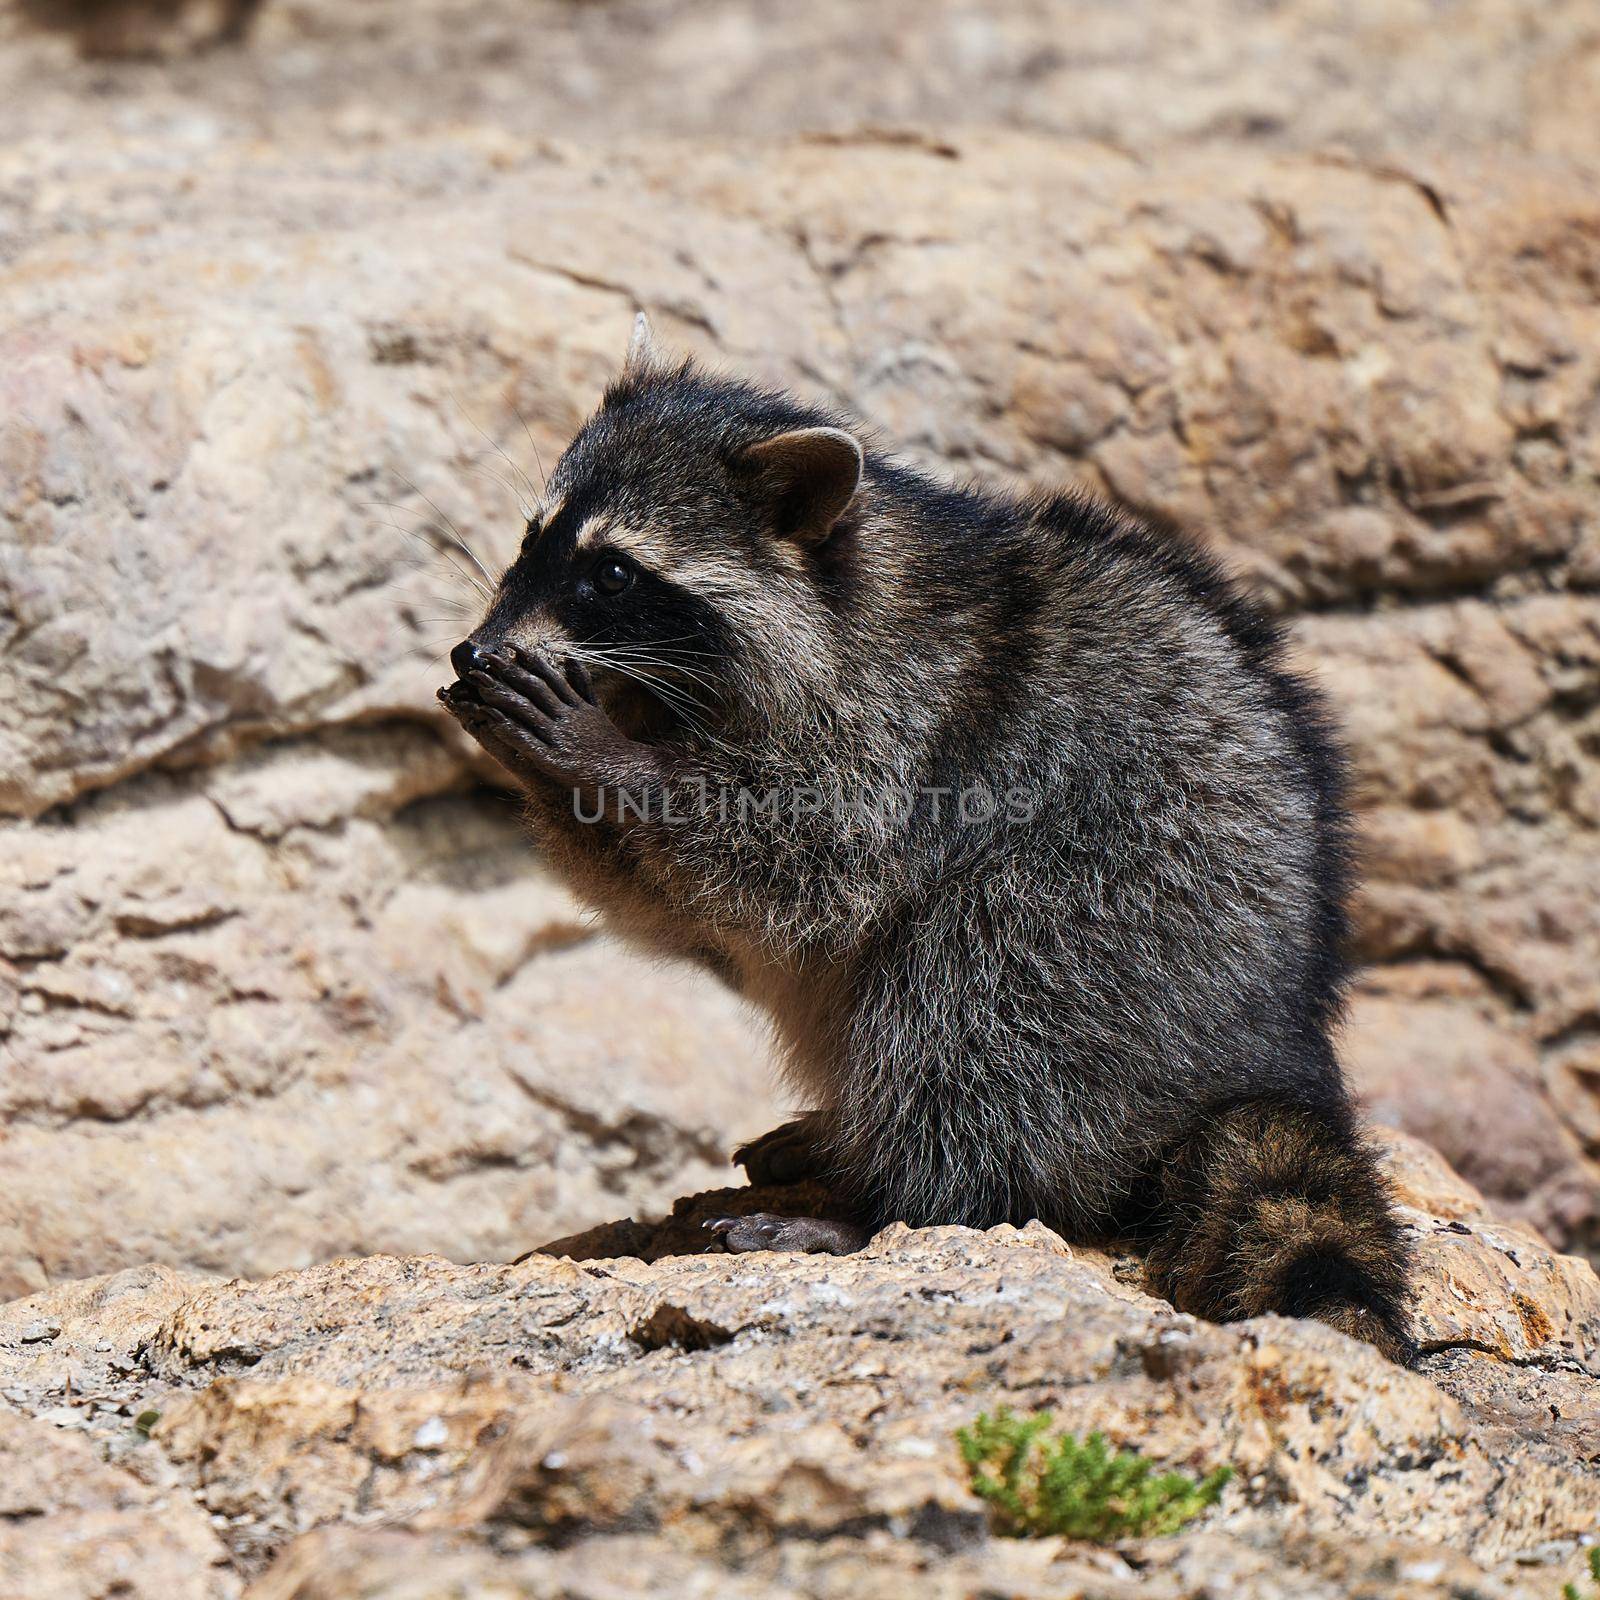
pixel 626 1414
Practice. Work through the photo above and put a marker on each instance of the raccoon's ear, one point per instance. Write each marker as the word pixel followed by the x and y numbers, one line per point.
pixel 810 475
pixel 641 346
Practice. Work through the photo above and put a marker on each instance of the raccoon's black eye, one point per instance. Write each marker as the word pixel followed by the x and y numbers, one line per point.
pixel 612 576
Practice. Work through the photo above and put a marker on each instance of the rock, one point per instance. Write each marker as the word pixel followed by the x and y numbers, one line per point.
pixel 656 1423
pixel 242 1033
pixel 1448 1067
pixel 332 1005
pixel 74 1528
pixel 1378 77
pixel 143 29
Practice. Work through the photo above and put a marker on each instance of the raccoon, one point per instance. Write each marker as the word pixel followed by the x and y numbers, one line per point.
pixel 1006 810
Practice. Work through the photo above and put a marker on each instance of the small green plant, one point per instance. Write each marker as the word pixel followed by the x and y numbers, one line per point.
pixel 1080 1488
pixel 144 1422
pixel 1570 1591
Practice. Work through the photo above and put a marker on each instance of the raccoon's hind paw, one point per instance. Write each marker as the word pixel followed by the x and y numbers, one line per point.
pixel 763 1231
pixel 788 1154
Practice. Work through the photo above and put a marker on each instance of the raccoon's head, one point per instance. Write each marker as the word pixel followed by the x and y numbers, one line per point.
pixel 682 547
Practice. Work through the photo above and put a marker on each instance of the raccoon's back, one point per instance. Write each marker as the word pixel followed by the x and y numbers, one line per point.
pixel 1189 749
pixel 1160 931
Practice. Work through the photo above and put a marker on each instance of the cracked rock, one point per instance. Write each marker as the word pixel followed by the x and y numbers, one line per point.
pixel 774 1425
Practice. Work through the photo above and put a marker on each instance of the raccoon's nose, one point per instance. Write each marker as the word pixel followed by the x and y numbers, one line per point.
pixel 466 657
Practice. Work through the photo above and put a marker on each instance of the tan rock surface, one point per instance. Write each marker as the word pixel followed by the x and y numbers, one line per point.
pixel 306 1006
pixel 71 1526
pixel 766 1426
pixel 1377 76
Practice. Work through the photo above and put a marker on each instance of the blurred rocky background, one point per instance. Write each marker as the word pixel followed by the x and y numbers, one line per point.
pixel 292 292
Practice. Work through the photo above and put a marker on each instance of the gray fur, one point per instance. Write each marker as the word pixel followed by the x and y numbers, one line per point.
pixel 997 1019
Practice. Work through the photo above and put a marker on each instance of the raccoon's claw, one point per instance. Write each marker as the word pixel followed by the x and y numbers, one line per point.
pixel 511 687
pixel 761 1230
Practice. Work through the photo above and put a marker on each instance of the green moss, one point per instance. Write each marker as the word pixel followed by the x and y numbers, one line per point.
pixel 1079 1488
pixel 1570 1591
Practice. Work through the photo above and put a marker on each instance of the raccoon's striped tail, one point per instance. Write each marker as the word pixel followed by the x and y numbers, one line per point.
pixel 1269 1207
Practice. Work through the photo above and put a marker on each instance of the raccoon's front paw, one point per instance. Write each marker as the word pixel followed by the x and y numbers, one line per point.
pixel 761 1230
pixel 547 717
pixel 503 737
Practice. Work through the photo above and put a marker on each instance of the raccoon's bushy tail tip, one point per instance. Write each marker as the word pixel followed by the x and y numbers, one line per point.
pixel 1282 1208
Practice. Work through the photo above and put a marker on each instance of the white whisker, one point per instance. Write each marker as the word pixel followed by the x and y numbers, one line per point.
pixel 474 464
pixel 466 549
pixel 543 480
pixel 495 443
pixel 673 697
pixel 434 550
